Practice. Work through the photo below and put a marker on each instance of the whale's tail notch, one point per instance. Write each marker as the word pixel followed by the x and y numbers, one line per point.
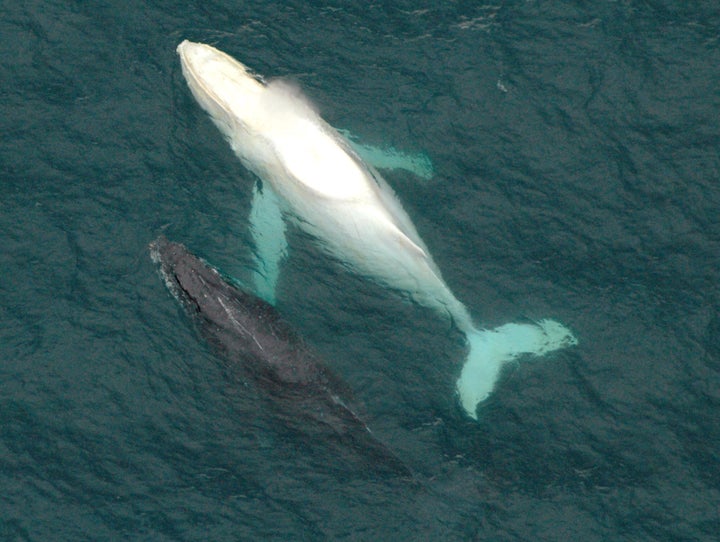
pixel 490 349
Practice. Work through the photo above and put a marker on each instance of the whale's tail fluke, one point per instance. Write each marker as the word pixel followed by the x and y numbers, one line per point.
pixel 490 349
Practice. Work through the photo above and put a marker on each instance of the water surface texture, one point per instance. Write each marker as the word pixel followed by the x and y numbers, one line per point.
pixel 577 177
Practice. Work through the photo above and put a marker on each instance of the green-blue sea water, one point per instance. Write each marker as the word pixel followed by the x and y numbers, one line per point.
pixel 577 177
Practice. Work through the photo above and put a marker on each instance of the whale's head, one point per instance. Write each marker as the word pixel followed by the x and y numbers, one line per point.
pixel 193 282
pixel 200 287
pixel 224 87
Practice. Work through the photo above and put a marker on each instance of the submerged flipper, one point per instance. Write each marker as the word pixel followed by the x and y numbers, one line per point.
pixel 490 349
pixel 419 163
pixel 268 231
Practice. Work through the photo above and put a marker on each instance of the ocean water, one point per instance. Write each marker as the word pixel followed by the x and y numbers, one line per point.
pixel 577 177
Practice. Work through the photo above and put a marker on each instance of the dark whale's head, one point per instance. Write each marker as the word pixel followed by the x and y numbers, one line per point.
pixel 230 317
pixel 197 285
pixel 186 276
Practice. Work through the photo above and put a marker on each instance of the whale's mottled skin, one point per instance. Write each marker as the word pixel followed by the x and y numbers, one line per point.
pixel 250 331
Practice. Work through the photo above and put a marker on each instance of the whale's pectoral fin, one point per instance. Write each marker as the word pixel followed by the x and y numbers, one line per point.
pixel 490 349
pixel 268 231
pixel 390 158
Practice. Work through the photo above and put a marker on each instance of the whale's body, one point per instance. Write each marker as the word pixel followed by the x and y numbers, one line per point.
pixel 336 196
pixel 344 203
pixel 251 333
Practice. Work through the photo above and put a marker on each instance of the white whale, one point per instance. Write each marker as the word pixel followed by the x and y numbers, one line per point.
pixel 310 172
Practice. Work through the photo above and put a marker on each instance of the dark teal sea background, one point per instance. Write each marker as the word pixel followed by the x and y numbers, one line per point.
pixel 577 177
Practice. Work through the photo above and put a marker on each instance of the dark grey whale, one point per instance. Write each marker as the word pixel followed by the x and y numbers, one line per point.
pixel 251 332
